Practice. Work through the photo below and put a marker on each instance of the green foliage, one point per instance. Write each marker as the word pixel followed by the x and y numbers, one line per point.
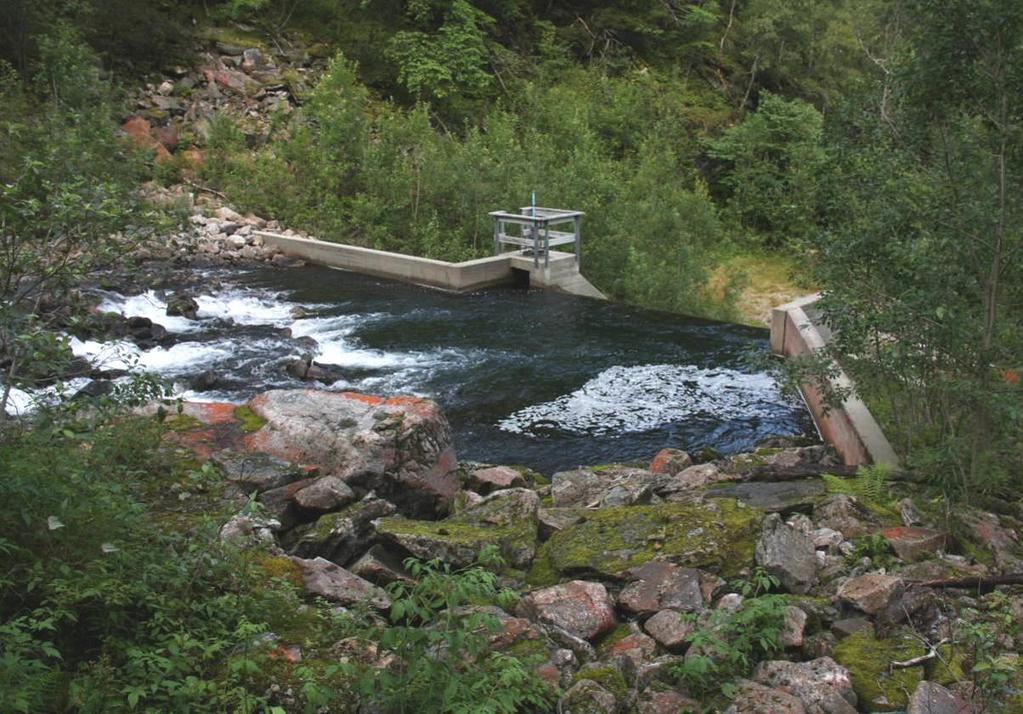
pixel 106 610
pixel 871 485
pixel 772 160
pixel 441 637
pixel 727 644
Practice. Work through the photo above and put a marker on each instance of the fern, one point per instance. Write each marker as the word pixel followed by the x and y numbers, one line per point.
pixel 871 484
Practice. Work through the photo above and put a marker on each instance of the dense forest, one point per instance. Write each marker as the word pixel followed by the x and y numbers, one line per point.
pixel 871 150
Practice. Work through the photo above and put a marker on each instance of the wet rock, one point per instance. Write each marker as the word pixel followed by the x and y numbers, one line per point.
pixel 506 518
pixel 871 593
pixel 669 630
pixel 932 698
pixel 398 447
pixel 754 698
pixel 334 583
pixel 581 608
pixel 822 685
pixel 788 555
pixel 670 462
pixel 344 535
pixel 204 381
pixel 718 535
pixel 325 494
pixel 912 544
pixel 484 481
pixel 844 513
pixel 94 389
pixel 381 567
pixel 660 586
pixel 588 697
pixel 182 305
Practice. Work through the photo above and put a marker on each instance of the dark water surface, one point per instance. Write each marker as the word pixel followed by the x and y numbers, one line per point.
pixel 527 377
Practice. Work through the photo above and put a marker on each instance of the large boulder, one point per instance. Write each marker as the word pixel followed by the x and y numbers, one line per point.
pixel 506 518
pixel 717 536
pixel 581 608
pixel 399 447
pixel 787 554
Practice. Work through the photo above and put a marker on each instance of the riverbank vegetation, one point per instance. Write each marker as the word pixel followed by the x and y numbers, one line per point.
pixel 876 145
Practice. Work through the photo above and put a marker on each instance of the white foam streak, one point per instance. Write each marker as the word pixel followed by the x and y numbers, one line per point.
pixel 641 398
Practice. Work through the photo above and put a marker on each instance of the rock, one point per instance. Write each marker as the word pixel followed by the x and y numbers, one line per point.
pixel 226 214
pixel 826 538
pixel 398 447
pixel 182 305
pixel 992 537
pixel 871 593
pixel 581 608
pixel 662 586
pixel 552 520
pixel 669 630
pixel 932 698
pixel 504 518
pixel 256 473
pixel 204 381
pixel 381 567
pixel 730 601
pixel 879 688
pixel 793 628
pixel 667 702
pixel 909 513
pixel 755 698
pixel 670 462
pixel 850 626
pixel 636 646
pixel 781 497
pixel 710 584
pixel 94 389
pixel 844 513
pixel 788 555
pixel 822 685
pixel 325 494
pixel 167 136
pixel 334 583
pixel 588 697
pixel 912 544
pixel 484 481
pixel 245 530
pixel 138 131
pixel 251 58
pixel 717 535
pixel 585 488
pixel 344 535
pixel 693 477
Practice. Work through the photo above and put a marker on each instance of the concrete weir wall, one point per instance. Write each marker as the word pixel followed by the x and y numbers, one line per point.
pixel 850 427
pixel 561 273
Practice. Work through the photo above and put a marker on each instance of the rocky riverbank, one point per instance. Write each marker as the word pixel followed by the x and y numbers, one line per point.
pixel 627 572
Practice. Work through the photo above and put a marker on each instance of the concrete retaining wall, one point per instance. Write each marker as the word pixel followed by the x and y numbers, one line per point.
pixel 850 427
pixel 561 273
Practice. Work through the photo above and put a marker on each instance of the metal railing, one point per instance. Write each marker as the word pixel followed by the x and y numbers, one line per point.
pixel 536 232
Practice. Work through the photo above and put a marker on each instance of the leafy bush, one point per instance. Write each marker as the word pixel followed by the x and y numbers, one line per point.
pixel 441 639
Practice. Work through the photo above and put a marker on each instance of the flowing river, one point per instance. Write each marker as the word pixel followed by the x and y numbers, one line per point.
pixel 525 377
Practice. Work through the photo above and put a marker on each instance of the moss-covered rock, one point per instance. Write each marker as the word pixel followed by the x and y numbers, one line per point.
pixel 248 419
pixel 608 677
pixel 718 535
pixel 867 658
pixel 506 518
